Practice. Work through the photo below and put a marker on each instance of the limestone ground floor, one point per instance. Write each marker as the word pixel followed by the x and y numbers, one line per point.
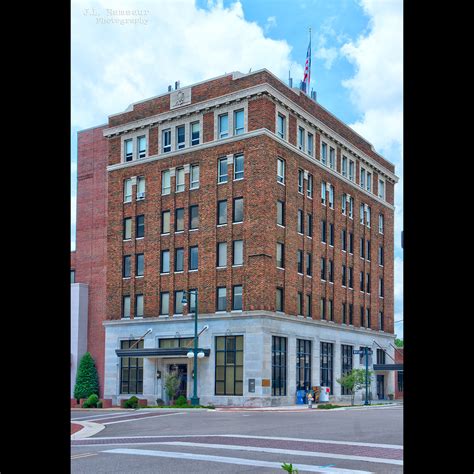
pixel 247 359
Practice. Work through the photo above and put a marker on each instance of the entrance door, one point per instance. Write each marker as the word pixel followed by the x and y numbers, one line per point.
pixel 380 387
pixel 181 370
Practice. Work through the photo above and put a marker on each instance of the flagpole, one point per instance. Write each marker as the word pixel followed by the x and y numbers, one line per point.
pixel 310 53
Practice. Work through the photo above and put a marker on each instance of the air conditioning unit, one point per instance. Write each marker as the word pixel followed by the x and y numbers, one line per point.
pixel 140 195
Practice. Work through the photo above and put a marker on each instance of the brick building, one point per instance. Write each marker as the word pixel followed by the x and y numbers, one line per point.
pixel 277 213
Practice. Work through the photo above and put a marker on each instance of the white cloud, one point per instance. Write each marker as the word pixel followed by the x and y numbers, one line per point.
pixel 271 23
pixel 329 55
pixel 114 65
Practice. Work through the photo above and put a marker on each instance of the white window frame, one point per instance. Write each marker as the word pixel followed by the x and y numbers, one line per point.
pixel 219 246
pixel 343 203
pixel 300 181
pixel 362 178
pixel 281 167
pixel 235 129
pixel 331 196
pixel 125 195
pixel 351 170
pixel 332 158
pixel 324 156
pixel 362 213
pixel 193 183
pixel 180 145
pixel 140 194
pixel 230 111
pixel 164 188
pixel 281 111
pixel 191 133
pixel 125 155
pixel 351 207
pixel 323 193
pixel 368 186
pixel 222 134
pixel 310 138
pixel 381 223
pixel 384 189
pixel 233 166
pixel 344 169
pixel 219 175
pixel 138 147
pixel 241 244
pixel 368 215
pixel 309 189
pixel 165 132
pixel 301 138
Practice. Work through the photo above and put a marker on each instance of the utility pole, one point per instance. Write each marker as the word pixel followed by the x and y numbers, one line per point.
pixel 366 350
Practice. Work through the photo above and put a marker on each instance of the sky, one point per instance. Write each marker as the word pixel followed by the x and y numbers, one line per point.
pixel 124 51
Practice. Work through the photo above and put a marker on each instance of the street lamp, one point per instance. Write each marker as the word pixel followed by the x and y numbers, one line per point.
pixel 194 353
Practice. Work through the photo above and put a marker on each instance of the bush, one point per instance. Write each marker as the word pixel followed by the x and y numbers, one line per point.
pixel 181 401
pixel 171 385
pixel 87 380
pixel 91 402
pixel 132 402
pixel 99 404
pixel 160 402
pixel 328 406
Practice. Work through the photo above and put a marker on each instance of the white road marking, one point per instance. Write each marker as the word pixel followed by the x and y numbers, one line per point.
pixel 141 418
pixel 290 452
pixel 105 415
pixel 83 455
pixel 229 460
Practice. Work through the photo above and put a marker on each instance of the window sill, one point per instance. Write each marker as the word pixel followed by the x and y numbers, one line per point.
pixel 165 273
pixel 238 265
pixel 178 272
pixel 221 225
pixel 165 234
pixel 163 315
pixel 139 238
pixel 238 179
pixel 193 189
pixel 279 182
pixel 240 222
pixel 236 311
pixel 192 271
pixel 221 268
pixel 179 232
pixel 280 268
pixel 193 230
pixel 279 225
pixel 139 276
pixel 127 240
pixel 221 182
pixel 126 278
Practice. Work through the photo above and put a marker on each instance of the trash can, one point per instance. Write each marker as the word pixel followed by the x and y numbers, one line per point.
pixel 300 397
pixel 324 394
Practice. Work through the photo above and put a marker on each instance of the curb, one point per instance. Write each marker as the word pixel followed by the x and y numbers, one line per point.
pixel 90 428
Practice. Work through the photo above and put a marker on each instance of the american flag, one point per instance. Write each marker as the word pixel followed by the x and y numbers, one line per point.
pixel 307 70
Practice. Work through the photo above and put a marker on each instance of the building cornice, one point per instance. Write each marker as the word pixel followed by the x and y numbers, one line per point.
pixel 259 89
pixel 246 136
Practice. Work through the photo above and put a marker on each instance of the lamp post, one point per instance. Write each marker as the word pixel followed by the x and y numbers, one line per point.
pixel 194 353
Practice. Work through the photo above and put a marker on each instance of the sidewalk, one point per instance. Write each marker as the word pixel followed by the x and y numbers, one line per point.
pixel 299 407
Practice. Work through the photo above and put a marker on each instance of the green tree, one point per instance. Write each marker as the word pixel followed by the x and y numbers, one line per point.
pixel 354 381
pixel 399 342
pixel 87 380
pixel 171 385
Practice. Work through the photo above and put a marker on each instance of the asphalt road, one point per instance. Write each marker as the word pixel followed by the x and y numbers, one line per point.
pixel 195 441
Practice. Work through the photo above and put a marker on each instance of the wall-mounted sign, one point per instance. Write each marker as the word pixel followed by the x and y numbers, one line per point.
pixel 252 385
pixel 180 97
pixel 265 382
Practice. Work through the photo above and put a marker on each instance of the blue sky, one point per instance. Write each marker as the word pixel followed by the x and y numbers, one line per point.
pixel 122 53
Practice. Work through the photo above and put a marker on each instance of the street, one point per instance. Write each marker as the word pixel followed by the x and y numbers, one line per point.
pixel 234 441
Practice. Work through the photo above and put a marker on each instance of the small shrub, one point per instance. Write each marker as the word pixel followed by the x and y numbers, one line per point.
pixel 289 468
pixel 91 402
pixel 328 406
pixel 132 402
pixel 99 404
pixel 181 401
pixel 160 402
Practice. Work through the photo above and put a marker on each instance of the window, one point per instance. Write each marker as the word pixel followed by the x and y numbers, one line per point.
pixel 165 222
pixel 309 189
pixel 193 217
pixel 126 266
pixel 279 345
pixel 344 275
pixel 178 302
pixel 280 213
pixel 138 306
pixel 140 264
pixel 362 178
pixel 193 258
pixel 301 138
pixel 303 364
pixel 369 182
pixel 380 223
pixel 332 158
pixel 142 147
pixel 344 239
pixel 351 170
pixel 331 196
pixel 280 255
pixel 362 247
pixel 344 166
pixel 141 187
pixel 281 126
pixel 323 268
pixel 368 282
pixel 326 364
pixel 140 230
pixel 323 193
pixel 238 167
pixel 195 132
pixel 73 276
pixel 380 356
pixel 323 308
pixel 331 234
pixel 324 153
pixel 362 281
pixel 400 380
pixel 279 300
pixel 368 251
pixel 127 228
pixel 351 242
pixel 300 222
pixel 344 313
pixel 343 203
pixel 238 122
pixel 381 287
pixel 309 305
pixel 178 260
pixel 238 252
pixel 179 220
pixel 194 179
pixel 128 150
pixel 367 215
pixel 179 180
pixel 323 231
pixel 308 264
pixel 229 365
pixel 300 181
pixel 237 298
pixel 238 210
pixel 331 271
pixel 165 261
pixel 166 138
pixel 299 303
pixel 127 190
pixel 164 303
pixel 310 144
pixel 126 306
pixel 351 314
pixel 281 171
pixel 300 261
pixel 131 369
pixel 381 189
pixel 180 137
pixel 330 311
pixel 175 342
pixel 310 225
pixel 222 212
pixel 222 254
pixel 222 170
pixel 351 279
pixel 367 314
pixel 221 298
pixel 165 182
pixel 361 214
pixel 192 301
pixel 381 321
pixel 351 207
pixel 346 365
pixel 223 122
pixel 362 322
pixel 381 256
